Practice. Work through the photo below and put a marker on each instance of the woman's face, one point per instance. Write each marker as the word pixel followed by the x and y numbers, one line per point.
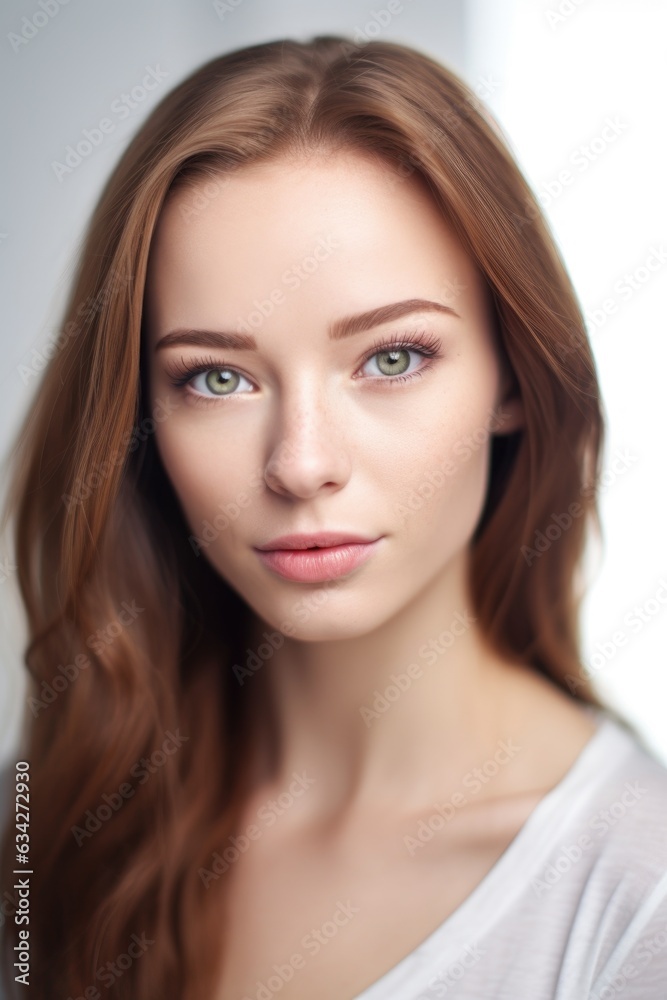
pixel 351 383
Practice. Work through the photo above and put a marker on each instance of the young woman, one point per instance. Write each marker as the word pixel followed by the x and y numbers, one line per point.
pixel 299 512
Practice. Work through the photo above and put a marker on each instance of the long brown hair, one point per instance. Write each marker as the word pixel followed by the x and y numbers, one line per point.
pixel 101 543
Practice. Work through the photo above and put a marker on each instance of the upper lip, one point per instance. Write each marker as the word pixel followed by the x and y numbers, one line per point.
pixel 322 540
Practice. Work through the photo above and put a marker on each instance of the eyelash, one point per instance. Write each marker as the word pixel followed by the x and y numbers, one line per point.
pixel 180 373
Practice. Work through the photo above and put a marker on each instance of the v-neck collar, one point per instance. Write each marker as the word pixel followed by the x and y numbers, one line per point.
pixel 495 893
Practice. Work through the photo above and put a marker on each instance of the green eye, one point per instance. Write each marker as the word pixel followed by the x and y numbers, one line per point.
pixel 393 362
pixel 222 381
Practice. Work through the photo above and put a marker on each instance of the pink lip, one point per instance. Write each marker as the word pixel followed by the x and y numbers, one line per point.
pixel 321 539
pixel 295 557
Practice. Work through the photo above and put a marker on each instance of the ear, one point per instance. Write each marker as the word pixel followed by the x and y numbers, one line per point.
pixel 509 414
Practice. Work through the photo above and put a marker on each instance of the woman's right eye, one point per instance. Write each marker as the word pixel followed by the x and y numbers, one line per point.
pixel 206 380
pixel 219 382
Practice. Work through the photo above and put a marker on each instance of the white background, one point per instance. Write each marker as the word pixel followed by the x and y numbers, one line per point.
pixel 554 73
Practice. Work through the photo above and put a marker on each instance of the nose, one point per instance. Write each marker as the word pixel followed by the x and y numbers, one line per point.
pixel 309 455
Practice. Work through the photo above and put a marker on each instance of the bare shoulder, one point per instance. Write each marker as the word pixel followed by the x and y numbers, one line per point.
pixel 551 727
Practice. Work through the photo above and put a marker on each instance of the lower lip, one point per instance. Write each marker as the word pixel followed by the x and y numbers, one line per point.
pixel 317 565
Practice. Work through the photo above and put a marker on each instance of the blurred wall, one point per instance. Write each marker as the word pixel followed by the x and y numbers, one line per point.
pixel 578 86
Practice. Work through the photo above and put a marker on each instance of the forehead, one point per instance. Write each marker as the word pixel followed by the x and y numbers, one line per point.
pixel 307 229
pixel 294 195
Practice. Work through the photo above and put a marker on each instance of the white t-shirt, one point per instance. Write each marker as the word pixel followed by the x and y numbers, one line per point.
pixel 576 906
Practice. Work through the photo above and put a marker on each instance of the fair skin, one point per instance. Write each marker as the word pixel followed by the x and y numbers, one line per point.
pixel 340 448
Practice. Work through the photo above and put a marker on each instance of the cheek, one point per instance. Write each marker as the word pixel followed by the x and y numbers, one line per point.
pixel 444 474
pixel 209 476
pixel 447 488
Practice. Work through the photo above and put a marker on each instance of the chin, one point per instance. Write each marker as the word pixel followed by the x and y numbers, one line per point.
pixel 321 614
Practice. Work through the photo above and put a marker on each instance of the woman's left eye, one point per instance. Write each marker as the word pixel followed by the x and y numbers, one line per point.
pixel 393 361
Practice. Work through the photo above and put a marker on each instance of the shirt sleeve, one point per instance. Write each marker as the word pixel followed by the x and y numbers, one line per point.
pixel 636 968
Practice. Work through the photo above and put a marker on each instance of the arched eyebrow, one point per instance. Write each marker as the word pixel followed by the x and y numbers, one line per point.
pixel 340 328
pixel 350 325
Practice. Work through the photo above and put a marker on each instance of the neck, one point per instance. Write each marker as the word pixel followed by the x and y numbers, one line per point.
pixel 403 711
